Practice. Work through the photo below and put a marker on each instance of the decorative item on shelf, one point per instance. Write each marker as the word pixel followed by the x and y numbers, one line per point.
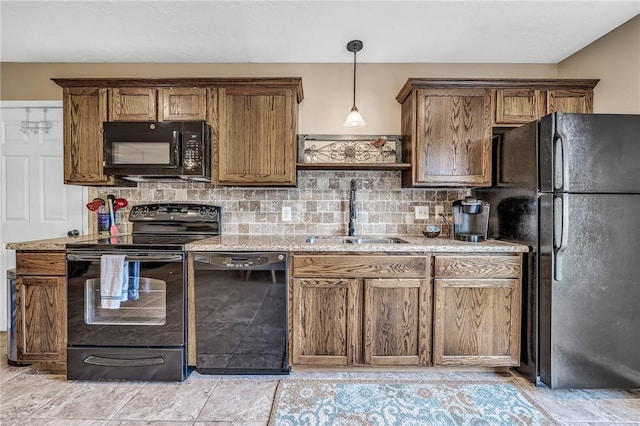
pixel 35 126
pixel 380 144
pixel 349 149
pixel 354 119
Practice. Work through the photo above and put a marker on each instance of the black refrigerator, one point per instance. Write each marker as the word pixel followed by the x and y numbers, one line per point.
pixel 568 186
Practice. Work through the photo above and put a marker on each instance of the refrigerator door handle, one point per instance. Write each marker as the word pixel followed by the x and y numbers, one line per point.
pixel 561 168
pixel 560 232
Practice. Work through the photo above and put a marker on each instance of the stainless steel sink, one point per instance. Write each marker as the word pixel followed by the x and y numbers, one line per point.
pixel 330 239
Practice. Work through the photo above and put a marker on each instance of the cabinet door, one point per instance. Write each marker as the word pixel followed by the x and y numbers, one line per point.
pixel 397 322
pixel 453 143
pixel 132 104
pixel 578 101
pixel 85 109
pixel 476 322
pixel 517 106
pixel 40 319
pixel 182 104
pixel 326 321
pixel 257 136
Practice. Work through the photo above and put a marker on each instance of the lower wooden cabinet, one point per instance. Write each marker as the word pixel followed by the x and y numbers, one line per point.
pixel 326 321
pixel 41 314
pixel 385 310
pixel 378 314
pixel 397 322
pixel 477 302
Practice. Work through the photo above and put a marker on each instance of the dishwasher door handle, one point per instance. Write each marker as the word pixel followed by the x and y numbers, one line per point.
pixel 129 258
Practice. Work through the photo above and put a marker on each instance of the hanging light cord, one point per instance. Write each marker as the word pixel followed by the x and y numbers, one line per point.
pixel 354 79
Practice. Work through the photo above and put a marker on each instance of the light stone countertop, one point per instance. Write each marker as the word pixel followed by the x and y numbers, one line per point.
pixel 51 243
pixel 417 244
pixel 244 242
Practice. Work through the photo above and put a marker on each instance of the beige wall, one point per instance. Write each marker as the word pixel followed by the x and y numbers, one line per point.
pixel 615 60
pixel 327 87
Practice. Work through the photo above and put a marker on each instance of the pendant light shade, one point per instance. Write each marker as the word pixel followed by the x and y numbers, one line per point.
pixel 354 119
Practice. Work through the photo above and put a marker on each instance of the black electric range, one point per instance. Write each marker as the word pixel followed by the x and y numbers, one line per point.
pixel 127 296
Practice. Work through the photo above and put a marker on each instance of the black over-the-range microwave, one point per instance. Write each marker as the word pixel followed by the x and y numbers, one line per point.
pixel 156 150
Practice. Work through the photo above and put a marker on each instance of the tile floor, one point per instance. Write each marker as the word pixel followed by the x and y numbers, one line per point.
pixel 38 396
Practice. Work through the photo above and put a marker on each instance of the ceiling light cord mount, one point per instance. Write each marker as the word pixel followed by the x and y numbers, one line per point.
pixel 354 119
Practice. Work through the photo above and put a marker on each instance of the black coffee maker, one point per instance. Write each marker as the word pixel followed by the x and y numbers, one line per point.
pixel 470 219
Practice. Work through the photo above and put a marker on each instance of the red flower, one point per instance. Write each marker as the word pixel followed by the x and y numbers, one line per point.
pixel 380 142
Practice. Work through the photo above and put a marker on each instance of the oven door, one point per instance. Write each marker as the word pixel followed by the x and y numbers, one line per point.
pixel 149 311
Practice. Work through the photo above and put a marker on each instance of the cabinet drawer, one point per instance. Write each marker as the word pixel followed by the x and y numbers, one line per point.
pixel 477 267
pixel 341 266
pixel 41 263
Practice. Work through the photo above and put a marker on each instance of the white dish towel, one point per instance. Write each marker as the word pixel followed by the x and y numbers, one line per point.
pixel 114 280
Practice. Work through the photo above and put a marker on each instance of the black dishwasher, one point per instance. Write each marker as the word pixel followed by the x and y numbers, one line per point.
pixel 241 303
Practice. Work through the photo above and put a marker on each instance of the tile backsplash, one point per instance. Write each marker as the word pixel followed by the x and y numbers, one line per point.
pixel 319 205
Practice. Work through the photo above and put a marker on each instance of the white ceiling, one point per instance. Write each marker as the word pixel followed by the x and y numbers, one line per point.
pixel 479 31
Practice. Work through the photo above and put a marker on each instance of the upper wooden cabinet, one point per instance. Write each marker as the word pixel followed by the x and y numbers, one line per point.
pixel 133 104
pixel 447 125
pixel 257 140
pixel 254 123
pixel 84 110
pixel 446 137
pixel 517 106
pixel 182 104
pixel 570 100
pixel 164 104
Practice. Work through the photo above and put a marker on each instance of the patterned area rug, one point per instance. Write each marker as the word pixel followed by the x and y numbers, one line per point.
pixel 316 403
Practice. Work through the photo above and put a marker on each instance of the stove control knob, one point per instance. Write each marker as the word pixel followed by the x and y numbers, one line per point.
pixel 213 213
pixel 203 211
pixel 135 211
pixel 144 211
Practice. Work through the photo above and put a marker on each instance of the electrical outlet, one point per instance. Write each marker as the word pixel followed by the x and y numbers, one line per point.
pixel 286 214
pixel 422 212
pixel 439 211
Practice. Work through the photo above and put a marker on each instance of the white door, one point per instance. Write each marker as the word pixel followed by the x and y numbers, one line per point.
pixel 34 202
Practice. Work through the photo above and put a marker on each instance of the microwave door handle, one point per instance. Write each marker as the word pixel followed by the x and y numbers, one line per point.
pixel 177 150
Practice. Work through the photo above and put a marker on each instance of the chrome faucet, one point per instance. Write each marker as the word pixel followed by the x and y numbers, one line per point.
pixel 352 208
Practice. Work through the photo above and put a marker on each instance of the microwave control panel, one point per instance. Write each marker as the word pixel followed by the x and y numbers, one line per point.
pixel 192 150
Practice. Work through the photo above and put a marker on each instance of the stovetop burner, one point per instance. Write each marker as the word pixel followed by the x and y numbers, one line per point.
pixel 166 226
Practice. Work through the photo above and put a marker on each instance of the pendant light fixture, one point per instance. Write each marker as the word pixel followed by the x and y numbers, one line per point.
pixel 354 119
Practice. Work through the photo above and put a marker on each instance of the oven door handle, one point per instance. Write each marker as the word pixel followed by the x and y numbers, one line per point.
pixel 123 362
pixel 129 258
